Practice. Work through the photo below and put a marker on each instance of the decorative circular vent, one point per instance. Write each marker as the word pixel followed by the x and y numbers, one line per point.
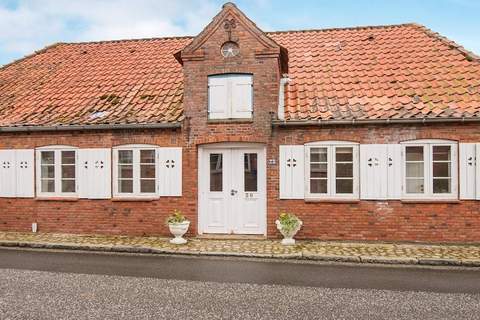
pixel 230 49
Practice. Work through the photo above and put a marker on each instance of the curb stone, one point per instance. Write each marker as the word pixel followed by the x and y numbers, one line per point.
pixel 298 256
pixel 388 260
pixel 439 262
pixel 310 256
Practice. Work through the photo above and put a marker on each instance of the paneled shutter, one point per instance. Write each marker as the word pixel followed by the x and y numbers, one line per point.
pixel 373 171
pixel 83 166
pixel 170 171
pixel 478 171
pixel 218 98
pixel 394 171
pixel 7 173
pixel 95 173
pixel 242 98
pixel 292 172
pixel 24 172
pixel 467 167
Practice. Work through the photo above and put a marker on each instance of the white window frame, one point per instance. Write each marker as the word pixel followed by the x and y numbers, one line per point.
pixel 331 174
pixel 428 145
pixel 229 108
pixel 57 149
pixel 135 148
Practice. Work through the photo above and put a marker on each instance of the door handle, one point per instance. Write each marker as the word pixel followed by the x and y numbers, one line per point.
pixel 233 192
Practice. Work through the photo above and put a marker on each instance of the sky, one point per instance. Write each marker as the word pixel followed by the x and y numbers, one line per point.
pixel 29 25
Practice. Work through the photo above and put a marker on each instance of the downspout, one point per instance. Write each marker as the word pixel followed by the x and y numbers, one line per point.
pixel 281 96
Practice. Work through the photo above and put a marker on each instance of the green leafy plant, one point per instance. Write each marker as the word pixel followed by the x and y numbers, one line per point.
pixel 176 217
pixel 288 221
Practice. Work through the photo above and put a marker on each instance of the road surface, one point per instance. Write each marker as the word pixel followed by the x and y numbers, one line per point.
pixel 38 284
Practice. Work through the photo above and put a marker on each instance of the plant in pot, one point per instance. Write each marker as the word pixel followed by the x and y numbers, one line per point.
pixel 288 224
pixel 178 225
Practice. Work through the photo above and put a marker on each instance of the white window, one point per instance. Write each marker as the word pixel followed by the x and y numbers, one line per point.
pixel 135 171
pixel 230 96
pixel 430 169
pixel 57 171
pixel 331 170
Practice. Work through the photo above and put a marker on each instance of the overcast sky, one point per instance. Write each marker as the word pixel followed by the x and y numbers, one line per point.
pixel 29 25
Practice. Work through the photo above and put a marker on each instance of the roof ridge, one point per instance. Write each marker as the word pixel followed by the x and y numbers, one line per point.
pixel 36 52
pixel 380 26
pixel 128 40
pixel 452 44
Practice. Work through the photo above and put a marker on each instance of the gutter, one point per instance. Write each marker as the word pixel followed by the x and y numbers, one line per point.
pixel 91 127
pixel 300 123
pixel 281 97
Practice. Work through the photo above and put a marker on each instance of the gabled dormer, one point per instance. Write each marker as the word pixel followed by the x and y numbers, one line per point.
pixel 232 71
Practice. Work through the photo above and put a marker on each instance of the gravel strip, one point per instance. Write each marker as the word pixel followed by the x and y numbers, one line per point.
pixel 45 295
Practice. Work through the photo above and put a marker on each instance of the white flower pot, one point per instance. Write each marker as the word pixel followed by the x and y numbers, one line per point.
pixel 178 230
pixel 288 235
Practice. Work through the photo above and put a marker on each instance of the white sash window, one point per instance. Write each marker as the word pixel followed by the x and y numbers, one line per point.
pixel 135 171
pixel 57 171
pixel 331 170
pixel 430 169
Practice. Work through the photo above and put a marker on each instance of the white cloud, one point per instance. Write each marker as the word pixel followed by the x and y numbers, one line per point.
pixel 33 24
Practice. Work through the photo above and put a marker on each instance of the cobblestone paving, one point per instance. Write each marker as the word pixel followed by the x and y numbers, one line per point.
pixel 319 250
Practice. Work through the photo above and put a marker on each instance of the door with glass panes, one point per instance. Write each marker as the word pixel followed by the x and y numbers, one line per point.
pixel 232 189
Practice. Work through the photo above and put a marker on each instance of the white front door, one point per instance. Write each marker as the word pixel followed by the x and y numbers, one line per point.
pixel 232 190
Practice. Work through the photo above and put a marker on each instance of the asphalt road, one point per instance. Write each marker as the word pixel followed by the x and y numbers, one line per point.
pixel 79 285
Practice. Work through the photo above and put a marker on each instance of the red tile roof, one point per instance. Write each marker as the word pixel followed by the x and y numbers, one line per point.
pixel 386 72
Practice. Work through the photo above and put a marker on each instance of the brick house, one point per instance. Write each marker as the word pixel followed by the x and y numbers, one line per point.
pixel 366 133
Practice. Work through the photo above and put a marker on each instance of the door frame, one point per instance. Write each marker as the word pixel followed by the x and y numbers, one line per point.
pixel 261 147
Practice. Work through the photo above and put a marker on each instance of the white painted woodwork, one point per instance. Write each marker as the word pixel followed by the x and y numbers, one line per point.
pixel 170 171
pixel 232 209
pixel 7 174
pixel 95 173
pixel 25 173
pixel 292 171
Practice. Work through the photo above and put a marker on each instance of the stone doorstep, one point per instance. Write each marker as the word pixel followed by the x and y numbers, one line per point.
pixel 296 255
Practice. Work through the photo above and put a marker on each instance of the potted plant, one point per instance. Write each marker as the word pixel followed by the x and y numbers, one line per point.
pixel 178 225
pixel 288 224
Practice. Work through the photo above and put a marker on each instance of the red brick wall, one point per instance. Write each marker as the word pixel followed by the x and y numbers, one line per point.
pixel 365 220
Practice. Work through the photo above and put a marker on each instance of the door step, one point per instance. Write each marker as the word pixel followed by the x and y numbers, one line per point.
pixel 231 236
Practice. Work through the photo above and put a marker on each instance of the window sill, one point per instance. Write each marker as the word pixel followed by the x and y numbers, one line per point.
pixel 135 199
pixel 332 200
pixel 66 199
pixel 414 201
pixel 229 121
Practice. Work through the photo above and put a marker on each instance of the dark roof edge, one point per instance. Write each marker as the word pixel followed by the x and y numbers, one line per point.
pixel 299 123
pixel 91 127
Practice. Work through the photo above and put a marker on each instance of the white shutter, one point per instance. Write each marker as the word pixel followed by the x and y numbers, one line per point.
pixel 292 172
pixel 394 171
pixel 477 157
pixel 24 172
pixel 95 172
pixel 218 102
pixel 7 173
pixel 170 171
pixel 467 168
pixel 83 165
pixel 373 171
pixel 242 98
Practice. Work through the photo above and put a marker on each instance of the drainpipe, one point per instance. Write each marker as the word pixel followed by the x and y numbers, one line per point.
pixel 281 96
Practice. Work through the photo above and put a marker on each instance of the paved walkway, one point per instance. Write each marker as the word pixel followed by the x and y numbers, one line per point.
pixel 462 255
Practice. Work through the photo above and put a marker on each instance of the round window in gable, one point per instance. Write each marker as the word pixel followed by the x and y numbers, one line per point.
pixel 230 49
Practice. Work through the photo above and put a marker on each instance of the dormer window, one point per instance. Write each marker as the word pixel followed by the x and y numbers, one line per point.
pixel 230 96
